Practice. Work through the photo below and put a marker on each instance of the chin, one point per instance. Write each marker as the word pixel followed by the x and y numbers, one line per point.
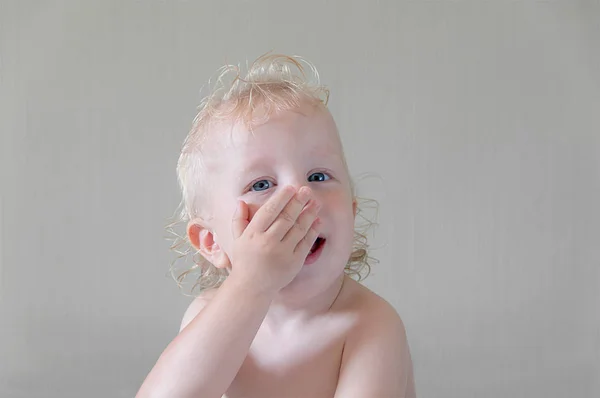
pixel 317 275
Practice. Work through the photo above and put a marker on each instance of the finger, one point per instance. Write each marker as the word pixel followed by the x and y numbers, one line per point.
pixel 240 219
pixel 303 247
pixel 269 212
pixel 302 224
pixel 290 213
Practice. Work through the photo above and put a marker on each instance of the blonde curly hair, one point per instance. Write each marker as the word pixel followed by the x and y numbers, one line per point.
pixel 273 83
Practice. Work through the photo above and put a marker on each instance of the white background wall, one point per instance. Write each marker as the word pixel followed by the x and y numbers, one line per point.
pixel 482 119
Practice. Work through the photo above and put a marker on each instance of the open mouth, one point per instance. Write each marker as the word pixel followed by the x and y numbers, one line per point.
pixel 315 251
pixel 317 245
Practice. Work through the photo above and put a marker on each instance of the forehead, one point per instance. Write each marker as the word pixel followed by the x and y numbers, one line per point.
pixel 305 129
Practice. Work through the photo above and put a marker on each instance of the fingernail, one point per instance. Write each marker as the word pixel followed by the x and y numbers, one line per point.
pixel 304 193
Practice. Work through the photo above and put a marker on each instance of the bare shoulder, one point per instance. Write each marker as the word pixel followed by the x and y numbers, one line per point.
pixel 367 307
pixel 376 321
pixel 196 306
pixel 376 360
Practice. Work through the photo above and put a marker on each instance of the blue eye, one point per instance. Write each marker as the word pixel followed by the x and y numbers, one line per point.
pixel 318 177
pixel 261 185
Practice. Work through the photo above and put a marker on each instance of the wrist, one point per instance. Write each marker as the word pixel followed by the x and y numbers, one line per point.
pixel 249 287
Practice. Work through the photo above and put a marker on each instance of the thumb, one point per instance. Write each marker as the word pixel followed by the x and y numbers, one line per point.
pixel 240 219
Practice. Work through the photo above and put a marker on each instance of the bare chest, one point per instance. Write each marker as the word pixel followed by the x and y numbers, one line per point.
pixel 300 364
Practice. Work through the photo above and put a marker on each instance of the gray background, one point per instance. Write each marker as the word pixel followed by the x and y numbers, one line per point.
pixel 481 119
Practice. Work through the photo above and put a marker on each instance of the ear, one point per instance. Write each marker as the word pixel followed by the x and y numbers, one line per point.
pixel 203 240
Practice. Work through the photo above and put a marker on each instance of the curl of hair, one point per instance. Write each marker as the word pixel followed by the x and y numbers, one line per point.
pixel 272 83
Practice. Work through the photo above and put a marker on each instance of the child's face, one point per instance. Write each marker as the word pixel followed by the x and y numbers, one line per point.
pixel 297 148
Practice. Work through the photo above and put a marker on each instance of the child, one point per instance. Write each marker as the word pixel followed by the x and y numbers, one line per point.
pixel 271 210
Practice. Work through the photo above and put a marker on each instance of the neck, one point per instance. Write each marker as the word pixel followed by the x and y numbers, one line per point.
pixel 291 309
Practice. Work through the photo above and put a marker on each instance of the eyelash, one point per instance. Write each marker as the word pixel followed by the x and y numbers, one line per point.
pixel 327 177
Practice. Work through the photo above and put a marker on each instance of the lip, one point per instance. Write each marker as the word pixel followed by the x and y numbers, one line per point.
pixel 314 256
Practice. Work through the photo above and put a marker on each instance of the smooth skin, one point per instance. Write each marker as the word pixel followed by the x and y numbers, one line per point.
pixel 277 328
pixel 274 243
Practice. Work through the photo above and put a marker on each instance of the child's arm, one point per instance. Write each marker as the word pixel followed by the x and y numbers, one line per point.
pixel 204 358
pixel 376 359
pixel 268 252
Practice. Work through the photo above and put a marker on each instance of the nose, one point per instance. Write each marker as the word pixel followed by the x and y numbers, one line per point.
pixel 297 184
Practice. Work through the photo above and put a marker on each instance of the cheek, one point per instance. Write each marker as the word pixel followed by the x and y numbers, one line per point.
pixel 224 218
pixel 252 209
pixel 222 224
pixel 340 207
pixel 349 226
